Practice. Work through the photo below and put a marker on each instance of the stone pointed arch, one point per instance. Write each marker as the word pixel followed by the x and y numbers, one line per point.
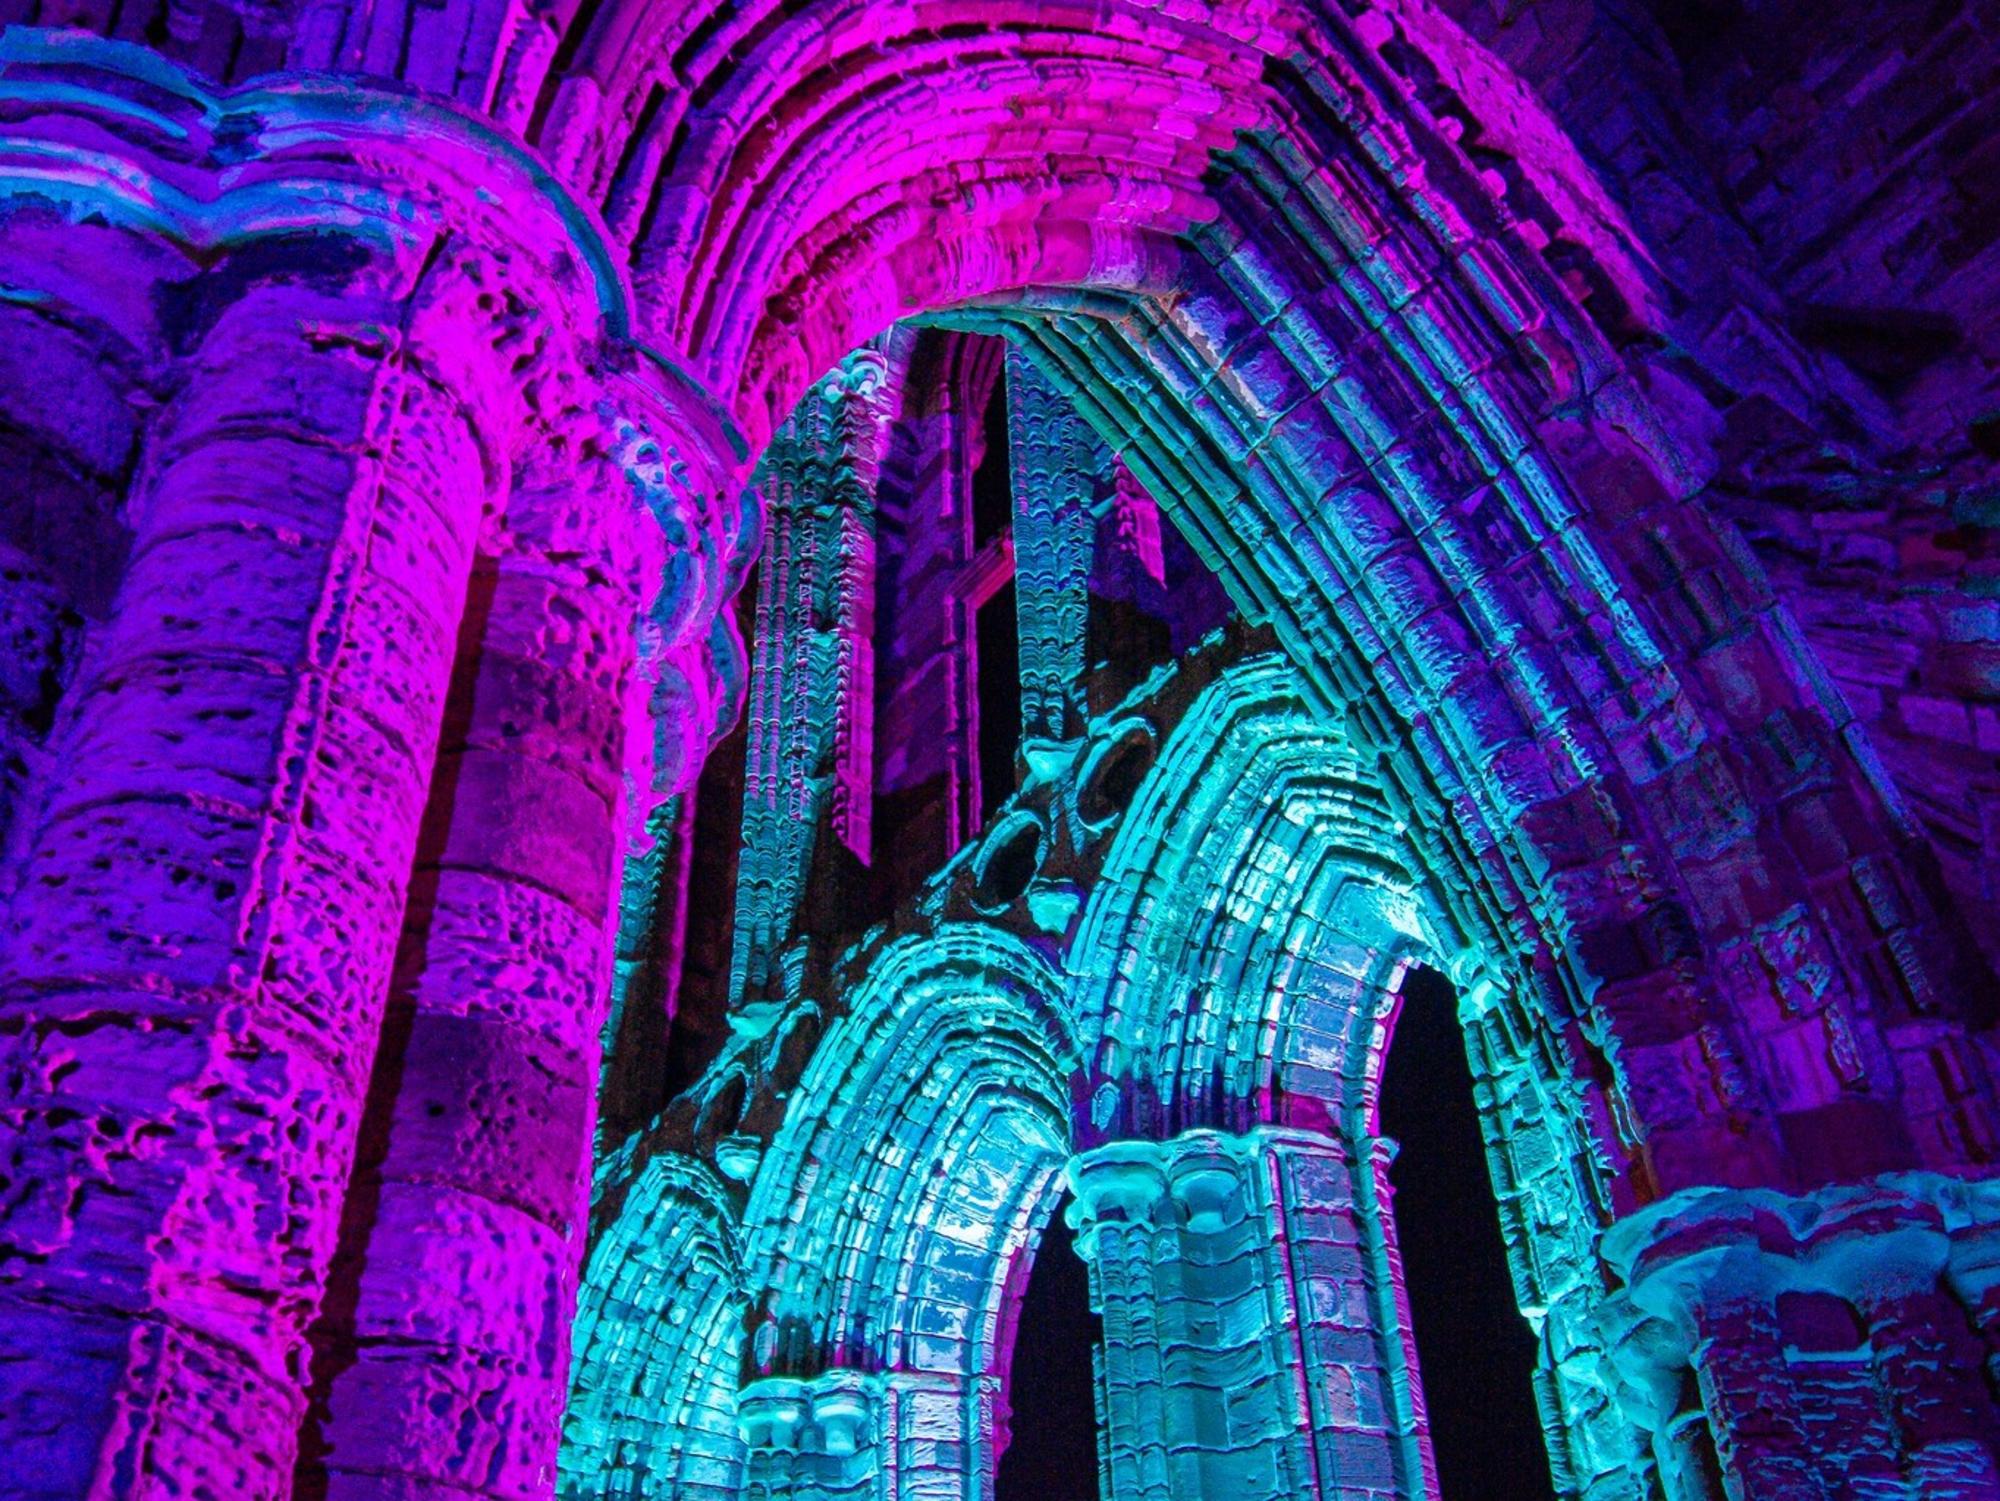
pixel 652 1408
pixel 1236 971
pixel 1257 900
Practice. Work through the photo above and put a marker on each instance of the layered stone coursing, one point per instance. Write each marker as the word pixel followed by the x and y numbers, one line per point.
pixel 1054 476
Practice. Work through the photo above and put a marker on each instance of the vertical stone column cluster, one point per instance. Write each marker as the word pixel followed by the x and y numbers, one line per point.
pixel 812 691
pixel 1055 462
pixel 1815 1346
pixel 360 634
pixel 851 1436
pixel 1255 1338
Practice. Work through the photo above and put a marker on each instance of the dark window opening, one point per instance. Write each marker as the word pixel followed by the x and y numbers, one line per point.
pixel 1475 1353
pixel 1052 1454
pixel 996 672
pixel 1200 603
pixel 992 478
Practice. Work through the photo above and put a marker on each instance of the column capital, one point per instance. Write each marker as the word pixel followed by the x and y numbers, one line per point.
pixel 1188 1181
pixel 112 132
pixel 1707 1248
pixel 487 271
pixel 832 1413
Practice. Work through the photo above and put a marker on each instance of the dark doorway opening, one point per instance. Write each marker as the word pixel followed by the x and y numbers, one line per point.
pixel 996 673
pixel 992 476
pixel 1052 1455
pixel 1475 1352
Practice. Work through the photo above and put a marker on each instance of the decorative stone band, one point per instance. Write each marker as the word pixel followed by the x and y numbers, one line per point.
pixel 111 131
pixel 1831 1334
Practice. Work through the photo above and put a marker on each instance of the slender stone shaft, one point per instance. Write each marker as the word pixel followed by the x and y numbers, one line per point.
pixel 1054 475
pixel 812 683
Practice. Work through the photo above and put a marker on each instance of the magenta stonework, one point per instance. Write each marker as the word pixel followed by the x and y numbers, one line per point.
pixel 741 739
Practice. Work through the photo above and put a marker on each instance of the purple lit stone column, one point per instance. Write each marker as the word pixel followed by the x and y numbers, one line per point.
pixel 1255 1340
pixel 197 948
pixel 444 1350
pixel 1824 1335
pixel 194 964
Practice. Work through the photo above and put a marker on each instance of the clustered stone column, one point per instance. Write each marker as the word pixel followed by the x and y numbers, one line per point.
pixel 1255 1334
pixel 1818 1346
pixel 290 700
pixel 812 689
pixel 1054 463
pixel 854 1436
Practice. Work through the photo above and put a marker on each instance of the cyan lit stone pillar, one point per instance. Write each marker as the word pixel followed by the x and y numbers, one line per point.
pixel 366 309
pixel 810 758
pixel 1815 1346
pixel 1054 461
pixel 1255 1338
pixel 880 1436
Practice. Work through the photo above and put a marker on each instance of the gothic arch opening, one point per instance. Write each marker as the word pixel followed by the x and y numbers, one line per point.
pixel 1051 1452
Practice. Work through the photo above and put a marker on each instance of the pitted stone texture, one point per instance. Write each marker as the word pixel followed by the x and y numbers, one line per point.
pixel 444 1352
pixel 1828 1333
pixel 203 927
pixel 201 911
